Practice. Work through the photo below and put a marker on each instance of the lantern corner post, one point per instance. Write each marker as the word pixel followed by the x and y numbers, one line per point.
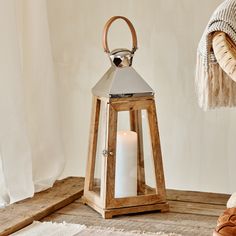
pixel 110 159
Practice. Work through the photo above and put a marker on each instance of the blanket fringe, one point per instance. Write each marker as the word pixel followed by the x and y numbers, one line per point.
pixel 213 86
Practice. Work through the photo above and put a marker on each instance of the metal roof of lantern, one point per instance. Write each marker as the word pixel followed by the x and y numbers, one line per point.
pixel 121 82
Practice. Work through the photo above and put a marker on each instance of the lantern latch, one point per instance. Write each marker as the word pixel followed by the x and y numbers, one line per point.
pixel 105 153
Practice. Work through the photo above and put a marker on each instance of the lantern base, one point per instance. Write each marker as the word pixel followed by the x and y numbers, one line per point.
pixel 109 213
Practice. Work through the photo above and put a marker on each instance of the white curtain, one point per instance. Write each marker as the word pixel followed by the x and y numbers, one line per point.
pixel 31 155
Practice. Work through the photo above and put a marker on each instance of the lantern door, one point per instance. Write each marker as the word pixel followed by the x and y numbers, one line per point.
pixel 134 178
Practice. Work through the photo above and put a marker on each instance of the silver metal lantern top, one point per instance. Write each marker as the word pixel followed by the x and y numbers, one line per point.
pixel 121 80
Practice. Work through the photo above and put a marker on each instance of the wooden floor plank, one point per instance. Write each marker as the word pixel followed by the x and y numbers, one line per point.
pixel 196 208
pixel 200 197
pixel 23 213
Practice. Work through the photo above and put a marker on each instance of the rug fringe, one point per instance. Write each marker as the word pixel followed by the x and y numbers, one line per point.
pixel 135 232
pixel 67 229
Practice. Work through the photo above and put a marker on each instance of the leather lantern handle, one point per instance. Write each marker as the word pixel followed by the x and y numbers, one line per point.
pixel 131 27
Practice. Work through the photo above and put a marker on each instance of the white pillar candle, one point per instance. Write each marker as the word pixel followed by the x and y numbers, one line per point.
pixel 126 164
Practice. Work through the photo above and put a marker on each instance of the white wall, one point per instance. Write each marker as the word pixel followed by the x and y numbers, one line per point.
pixel 199 150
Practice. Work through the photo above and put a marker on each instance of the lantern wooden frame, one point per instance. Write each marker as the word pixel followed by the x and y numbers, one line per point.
pixel 105 202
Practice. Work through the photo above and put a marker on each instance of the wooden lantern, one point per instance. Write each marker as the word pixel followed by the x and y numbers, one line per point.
pixel 124 163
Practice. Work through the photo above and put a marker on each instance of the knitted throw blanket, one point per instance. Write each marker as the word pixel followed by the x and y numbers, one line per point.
pixel 214 87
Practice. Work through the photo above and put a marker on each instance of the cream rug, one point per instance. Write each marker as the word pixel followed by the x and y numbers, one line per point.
pixel 64 229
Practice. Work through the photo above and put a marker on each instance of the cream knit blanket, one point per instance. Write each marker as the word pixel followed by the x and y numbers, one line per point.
pixel 214 87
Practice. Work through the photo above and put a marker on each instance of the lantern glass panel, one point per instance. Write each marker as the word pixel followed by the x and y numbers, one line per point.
pixel 102 110
pixel 134 173
pixel 149 169
pixel 123 120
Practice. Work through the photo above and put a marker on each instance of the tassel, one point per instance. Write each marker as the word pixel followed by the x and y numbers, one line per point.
pixel 213 86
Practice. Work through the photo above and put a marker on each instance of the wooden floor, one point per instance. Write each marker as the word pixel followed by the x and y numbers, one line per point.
pixel 179 223
pixel 191 213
